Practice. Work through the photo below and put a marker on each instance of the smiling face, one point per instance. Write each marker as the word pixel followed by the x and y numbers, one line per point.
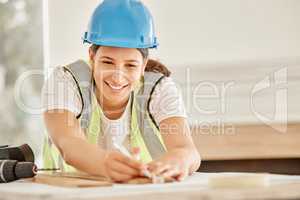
pixel 116 70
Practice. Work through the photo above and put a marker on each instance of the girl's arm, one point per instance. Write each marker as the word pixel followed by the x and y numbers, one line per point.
pixel 65 132
pixel 182 157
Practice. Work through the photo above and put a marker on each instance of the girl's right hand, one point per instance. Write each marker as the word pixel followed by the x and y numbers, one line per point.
pixel 121 168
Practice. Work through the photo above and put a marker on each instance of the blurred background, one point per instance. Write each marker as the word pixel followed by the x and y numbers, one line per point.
pixel 21 51
pixel 236 62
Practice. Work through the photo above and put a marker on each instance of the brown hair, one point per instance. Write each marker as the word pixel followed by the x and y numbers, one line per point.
pixel 152 65
pixel 156 66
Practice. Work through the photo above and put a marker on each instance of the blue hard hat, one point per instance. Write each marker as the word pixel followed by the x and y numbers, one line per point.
pixel 121 23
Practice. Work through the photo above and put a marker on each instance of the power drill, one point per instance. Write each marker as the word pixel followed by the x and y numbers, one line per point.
pixel 16 162
pixel 11 170
pixel 21 153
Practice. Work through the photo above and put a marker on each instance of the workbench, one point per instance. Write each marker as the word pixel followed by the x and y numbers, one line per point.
pixel 194 187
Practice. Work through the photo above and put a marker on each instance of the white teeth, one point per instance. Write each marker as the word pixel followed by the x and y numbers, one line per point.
pixel 116 87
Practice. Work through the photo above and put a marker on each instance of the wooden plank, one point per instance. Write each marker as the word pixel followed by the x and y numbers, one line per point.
pixel 62 179
pixel 255 141
pixel 68 181
pixel 78 175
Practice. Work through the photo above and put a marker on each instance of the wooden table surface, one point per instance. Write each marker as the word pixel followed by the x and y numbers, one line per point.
pixel 197 186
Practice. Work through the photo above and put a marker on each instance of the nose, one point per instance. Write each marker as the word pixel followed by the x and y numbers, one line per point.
pixel 117 75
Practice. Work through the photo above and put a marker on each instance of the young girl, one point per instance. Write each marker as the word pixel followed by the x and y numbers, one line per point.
pixel 121 126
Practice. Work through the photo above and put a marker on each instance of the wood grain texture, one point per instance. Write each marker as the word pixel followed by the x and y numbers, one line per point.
pixel 68 181
pixel 255 141
pixel 80 180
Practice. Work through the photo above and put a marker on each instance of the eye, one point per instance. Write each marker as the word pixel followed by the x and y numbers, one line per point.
pixel 131 65
pixel 107 62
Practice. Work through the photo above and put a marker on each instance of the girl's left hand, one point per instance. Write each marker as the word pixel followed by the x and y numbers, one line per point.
pixel 174 169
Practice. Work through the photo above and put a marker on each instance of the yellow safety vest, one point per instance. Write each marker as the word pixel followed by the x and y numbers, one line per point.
pixel 53 159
